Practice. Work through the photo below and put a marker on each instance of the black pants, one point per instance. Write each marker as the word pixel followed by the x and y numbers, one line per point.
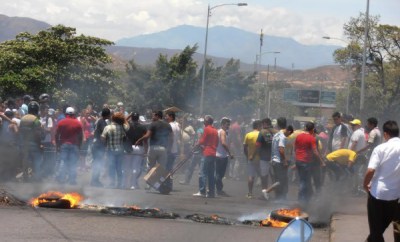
pixel 281 176
pixel 380 214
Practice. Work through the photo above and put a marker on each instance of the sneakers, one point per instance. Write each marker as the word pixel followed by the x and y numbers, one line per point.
pixel 199 194
pixel 222 194
pixel 249 196
pixel 265 193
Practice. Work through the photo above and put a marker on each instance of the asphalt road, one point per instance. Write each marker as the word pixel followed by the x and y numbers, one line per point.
pixel 40 224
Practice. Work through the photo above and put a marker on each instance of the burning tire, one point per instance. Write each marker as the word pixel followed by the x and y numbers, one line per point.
pixel 287 215
pixel 58 203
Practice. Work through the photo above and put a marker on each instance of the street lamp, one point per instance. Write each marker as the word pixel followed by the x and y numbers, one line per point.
pixel 205 49
pixel 258 60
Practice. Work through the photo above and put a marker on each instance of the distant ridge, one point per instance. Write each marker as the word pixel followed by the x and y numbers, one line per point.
pixel 231 42
pixel 11 26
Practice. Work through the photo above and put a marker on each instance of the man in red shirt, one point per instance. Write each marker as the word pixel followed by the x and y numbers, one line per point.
pixel 69 138
pixel 209 142
pixel 306 153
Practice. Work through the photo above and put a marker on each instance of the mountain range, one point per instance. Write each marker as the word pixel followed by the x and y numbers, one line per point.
pixel 230 42
pixel 223 43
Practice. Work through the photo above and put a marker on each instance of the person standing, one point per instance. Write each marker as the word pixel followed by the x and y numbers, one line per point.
pixel 113 135
pixel 176 131
pixel 69 137
pixel 280 162
pixel 382 181
pixel 31 137
pixel 135 159
pixel 264 145
pixel 339 135
pixel 222 155
pixel 253 158
pixel 374 136
pixel 209 143
pixel 306 153
pixel 357 140
pixel 98 148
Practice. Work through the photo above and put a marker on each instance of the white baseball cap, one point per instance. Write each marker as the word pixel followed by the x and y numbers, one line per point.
pixel 70 110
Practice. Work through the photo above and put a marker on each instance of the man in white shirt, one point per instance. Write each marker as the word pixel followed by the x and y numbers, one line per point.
pixel 357 139
pixel 382 182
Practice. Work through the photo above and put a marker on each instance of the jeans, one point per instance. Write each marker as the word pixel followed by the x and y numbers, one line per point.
pixel 133 166
pixel 207 175
pixel 158 154
pixel 196 160
pixel 97 164
pixel 281 176
pixel 115 167
pixel 69 155
pixel 32 157
pixel 304 170
pixel 220 169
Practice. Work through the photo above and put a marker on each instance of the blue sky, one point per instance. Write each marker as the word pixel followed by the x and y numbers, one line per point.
pixel 303 20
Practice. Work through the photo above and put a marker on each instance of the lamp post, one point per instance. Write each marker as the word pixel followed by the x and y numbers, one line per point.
pixel 364 58
pixel 203 77
pixel 258 60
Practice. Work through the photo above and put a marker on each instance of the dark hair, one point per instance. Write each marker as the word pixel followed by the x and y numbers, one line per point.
pixel 373 121
pixel 309 126
pixel 159 114
pixel 336 115
pixel 171 114
pixel 225 120
pixel 135 116
pixel 118 118
pixel 256 124
pixel 208 119
pixel 281 123
pixel 267 121
pixel 105 112
pixel 33 108
pixel 290 128
pixel 391 128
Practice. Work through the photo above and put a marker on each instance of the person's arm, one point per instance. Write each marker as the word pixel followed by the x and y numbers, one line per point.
pixel 282 154
pixel 144 137
pixel 224 144
pixel 367 179
pixel 245 151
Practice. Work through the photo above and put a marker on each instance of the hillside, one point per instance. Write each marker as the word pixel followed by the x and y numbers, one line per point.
pixel 11 26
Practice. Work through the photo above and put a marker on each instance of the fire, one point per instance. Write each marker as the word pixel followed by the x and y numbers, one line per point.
pixel 290 212
pixel 52 196
pixel 273 223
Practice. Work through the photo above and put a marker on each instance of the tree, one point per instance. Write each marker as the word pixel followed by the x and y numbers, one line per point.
pixel 383 70
pixel 56 60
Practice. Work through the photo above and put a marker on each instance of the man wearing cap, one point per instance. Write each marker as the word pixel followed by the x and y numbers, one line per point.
pixel 68 137
pixel 357 139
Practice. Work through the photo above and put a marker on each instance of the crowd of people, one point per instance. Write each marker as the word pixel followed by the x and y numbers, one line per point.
pixel 119 146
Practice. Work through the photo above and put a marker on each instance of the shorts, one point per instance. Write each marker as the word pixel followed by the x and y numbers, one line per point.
pixel 264 167
pixel 253 169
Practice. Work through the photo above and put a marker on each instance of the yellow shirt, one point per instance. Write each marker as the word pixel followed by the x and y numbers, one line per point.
pixel 250 140
pixel 342 156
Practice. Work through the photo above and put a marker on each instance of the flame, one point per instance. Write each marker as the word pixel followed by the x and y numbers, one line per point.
pixel 273 223
pixel 52 196
pixel 290 212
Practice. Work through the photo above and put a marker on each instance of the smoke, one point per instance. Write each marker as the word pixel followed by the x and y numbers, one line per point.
pixel 260 215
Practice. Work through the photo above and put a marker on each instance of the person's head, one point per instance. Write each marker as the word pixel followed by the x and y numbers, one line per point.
pixel 118 118
pixel 27 99
pixel 135 117
pixel 105 113
pixel 281 122
pixel 208 120
pixel 390 129
pixel 372 123
pixel 157 115
pixel 355 124
pixel 289 130
pixel 225 123
pixel 257 124
pixel 309 127
pixel 170 116
pixel 70 111
pixel 120 106
pixel 9 114
pixel 337 118
pixel 33 108
pixel 266 123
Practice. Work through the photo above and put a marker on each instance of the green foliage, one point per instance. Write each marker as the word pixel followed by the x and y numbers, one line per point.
pixel 382 80
pixel 56 60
